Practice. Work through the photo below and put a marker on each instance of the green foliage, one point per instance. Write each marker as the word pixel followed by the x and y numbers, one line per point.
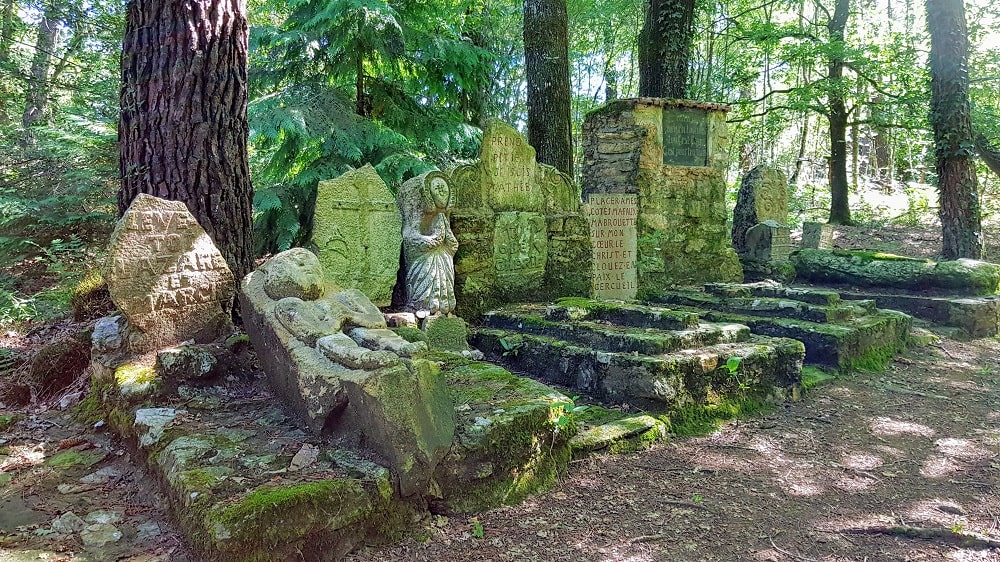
pixel 567 409
pixel 345 83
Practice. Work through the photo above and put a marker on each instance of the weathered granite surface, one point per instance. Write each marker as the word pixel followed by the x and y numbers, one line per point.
pixel 763 196
pixel 429 245
pixel 332 359
pixel 521 233
pixel 357 233
pixel 167 277
pixel 673 155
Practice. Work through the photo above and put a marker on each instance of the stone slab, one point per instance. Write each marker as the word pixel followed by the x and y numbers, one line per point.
pixel 612 219
pixel 357 233
pixel 167 277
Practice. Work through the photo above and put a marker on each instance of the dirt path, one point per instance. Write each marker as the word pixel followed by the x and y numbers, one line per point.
pixel 915 447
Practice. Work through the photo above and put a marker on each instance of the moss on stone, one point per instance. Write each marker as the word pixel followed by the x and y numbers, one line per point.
pixel 703 419
pixel 136 380
pixel 69 459
pixel 8 420
pixel 410 334
pixel 281 519
pixel 814 376
pixel 448 333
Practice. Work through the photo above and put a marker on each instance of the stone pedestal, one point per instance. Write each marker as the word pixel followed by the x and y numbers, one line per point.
pixel 671 156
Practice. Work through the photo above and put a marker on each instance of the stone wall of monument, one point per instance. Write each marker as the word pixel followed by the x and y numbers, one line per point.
pixel 521 233
pixel 673 154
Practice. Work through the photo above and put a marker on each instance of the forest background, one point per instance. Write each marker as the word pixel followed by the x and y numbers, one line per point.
pixel 408 85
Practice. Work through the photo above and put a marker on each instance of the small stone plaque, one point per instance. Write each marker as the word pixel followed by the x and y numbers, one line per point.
pixel 817 235
pixel 685 137
pixel 612 218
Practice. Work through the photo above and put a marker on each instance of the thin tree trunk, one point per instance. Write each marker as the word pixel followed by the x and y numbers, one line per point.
pixel 37 96
pixel 6 39
pixel 958 190
pixel 800 159
pixel 183 126
pixel 665 48
pixel 546 62
pixel 840 211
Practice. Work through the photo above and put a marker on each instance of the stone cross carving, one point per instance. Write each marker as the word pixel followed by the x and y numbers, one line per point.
pixel 429 245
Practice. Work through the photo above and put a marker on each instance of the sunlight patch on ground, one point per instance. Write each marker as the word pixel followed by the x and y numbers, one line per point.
pixel 23 456
pixel 893 452
pixel 861 461
pixel 944 513
pixel 938 467
pixel 891 427
pixel 964 449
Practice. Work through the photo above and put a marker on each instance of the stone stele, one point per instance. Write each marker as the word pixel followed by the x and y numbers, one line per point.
pixel 763 197
pixel 167 277
pixel 357 233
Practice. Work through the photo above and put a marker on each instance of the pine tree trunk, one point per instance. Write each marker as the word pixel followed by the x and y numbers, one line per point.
pixel 840 211
pixel 546 61
pixel 182 134
pixel 665 48
pixel 37 96
pixel 958 191
pixel 6 39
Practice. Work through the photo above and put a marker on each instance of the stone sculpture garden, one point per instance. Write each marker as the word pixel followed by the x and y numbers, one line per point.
pixel 430 347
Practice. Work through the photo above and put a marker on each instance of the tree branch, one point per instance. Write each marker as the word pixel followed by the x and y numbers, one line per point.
pixel 990 155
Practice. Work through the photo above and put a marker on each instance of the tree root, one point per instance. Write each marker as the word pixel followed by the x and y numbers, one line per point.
pixel 941 535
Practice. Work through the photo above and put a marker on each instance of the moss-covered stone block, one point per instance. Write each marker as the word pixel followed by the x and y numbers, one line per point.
pixel 873 269
pixel 446 333
pixel 625 435
pixel 508 444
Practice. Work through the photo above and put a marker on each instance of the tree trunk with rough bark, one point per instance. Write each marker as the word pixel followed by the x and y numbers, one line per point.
pixel 958 190
pixel 37 95
pixel 840 211
pixel 183 129
pixel 546 61
pixel 665 48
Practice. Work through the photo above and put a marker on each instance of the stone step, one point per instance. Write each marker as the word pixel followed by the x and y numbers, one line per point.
pixel 822 297
pixel 624 435
pixel 764 306
pixel 660 383
pixel 606 337
pixel 978 317
pixel 866 343
pixel 614 312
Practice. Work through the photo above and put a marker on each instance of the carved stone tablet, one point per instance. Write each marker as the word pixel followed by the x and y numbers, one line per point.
pixel 685 137
pixel 508 170
pixel 167 277
pixel 612 219
pixel 763 196
pixel 817 235
pixel 520 245
pixel 357 232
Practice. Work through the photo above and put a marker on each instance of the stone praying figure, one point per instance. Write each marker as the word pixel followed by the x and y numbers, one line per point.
pixel 429 245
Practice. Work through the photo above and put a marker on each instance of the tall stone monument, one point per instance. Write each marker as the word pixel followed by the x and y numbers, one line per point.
pixel 521 233
pixel 167 277
pixel 357 233
pixel 761 236
pixel 657 166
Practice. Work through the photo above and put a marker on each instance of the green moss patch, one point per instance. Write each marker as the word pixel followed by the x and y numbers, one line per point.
pixel 8 420
pixel 704 419
pixel 70 459
pixel 814 376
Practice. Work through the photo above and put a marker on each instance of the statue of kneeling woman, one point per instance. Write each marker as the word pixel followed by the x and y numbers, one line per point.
pixel 342 324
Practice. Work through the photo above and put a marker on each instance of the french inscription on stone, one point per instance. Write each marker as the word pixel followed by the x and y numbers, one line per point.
pixel 685 137
pixel 166 275
pixel 520 245
pixel 509 168
pixel 612 219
